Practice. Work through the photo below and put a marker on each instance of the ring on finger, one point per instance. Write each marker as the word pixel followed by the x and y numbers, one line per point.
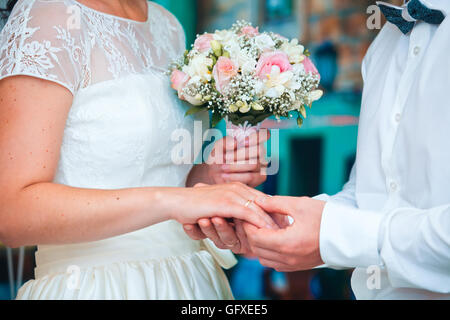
pixel 249 202
pixel 233 245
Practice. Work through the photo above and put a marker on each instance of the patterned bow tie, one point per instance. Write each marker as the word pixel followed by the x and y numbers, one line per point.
pixel 405 17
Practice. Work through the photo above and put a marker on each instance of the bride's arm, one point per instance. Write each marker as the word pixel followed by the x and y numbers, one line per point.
pixel 34 210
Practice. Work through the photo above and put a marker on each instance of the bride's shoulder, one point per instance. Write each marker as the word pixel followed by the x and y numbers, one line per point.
pixel 43 38
pixel 157 10
pixel 43 15
pixel 52 10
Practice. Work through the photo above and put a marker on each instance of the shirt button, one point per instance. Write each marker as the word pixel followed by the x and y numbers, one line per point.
pixel 398 117
pixel 394 186
pixel 416 51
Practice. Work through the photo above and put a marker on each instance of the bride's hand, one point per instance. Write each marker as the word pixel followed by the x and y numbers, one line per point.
pixel 234 200
pixel 229 162
pixel 246 164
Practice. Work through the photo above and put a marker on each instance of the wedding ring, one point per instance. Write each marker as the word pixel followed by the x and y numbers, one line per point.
pixel 232 245
pixel 249 202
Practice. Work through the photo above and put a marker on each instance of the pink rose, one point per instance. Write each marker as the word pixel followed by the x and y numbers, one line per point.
pixel 270 59
pixel 224 70
pixel 310 67
pixel 250 31
pixel 203 42
pixel 179 79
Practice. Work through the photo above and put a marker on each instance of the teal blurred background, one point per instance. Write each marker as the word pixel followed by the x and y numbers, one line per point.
pixel 314 159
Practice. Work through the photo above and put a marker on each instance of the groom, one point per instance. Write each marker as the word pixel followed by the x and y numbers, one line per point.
pixel 392 220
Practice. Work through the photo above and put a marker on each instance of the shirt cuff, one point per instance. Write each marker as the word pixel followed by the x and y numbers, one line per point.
pixel 349 236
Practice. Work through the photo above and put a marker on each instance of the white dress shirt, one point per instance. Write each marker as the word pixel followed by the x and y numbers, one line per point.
pixel 394 213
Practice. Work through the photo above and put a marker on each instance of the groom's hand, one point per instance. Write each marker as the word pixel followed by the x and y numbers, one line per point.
pixel 230 234
pixel 227 235
pixel 296 247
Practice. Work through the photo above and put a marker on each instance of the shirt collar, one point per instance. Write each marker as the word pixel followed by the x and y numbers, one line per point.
pixel 443 5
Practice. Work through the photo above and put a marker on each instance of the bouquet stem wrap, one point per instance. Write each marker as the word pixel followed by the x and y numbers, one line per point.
pixel 241 132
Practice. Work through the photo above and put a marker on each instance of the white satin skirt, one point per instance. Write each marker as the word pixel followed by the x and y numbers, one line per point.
pixel 157 263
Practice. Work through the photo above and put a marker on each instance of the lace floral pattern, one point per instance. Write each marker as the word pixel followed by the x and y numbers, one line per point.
pixel 101 48
pixel 22 54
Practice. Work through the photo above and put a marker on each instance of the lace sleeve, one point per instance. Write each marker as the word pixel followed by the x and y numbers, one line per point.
pixel 37 41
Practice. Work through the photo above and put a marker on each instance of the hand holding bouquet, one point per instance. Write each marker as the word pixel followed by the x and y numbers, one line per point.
pixel 246 76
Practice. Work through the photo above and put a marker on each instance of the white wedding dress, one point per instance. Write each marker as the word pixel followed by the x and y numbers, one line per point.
pixel 118 135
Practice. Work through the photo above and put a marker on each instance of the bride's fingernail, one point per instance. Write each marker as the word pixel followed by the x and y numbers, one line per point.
pixel 188 228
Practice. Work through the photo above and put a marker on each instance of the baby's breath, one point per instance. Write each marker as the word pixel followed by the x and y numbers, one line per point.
pixel 244 98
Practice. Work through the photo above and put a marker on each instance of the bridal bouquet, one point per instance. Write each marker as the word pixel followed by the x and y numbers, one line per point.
pixel 246 76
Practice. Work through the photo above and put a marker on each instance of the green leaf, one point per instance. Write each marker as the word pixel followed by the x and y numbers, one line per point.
pixel 216 118
pixel 300 122
pixel 250 119
pixel 262 118
pixel 193 110
pixel 307 53
pixel 303 111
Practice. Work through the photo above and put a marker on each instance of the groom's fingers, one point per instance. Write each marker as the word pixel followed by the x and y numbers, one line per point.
pixel 280 205
pixel 269 255
pixel 209 230
pixel 240 232
pixel 194 232
pixel 281 220
pixel 226 234
pixel 264 238
pixel 278 266
pixel 249 211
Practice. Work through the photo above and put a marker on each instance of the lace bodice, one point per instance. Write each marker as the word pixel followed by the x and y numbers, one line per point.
pixel 119 129
pixel 76 46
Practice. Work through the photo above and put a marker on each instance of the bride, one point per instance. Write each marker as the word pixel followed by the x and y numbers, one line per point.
pixel 86 116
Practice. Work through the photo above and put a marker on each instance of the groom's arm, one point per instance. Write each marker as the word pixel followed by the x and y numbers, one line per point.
pixel 411 245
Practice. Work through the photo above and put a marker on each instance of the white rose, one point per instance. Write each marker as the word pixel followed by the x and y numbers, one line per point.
pixel 245 62
pixel 294 50
pixel 279 82
pixel 264 41
pixel 298 68
pixel 225 37
pixel 259 87
pixel 197 99
pixel 199 66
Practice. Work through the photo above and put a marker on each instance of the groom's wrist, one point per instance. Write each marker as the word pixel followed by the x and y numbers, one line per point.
pixel 349 236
